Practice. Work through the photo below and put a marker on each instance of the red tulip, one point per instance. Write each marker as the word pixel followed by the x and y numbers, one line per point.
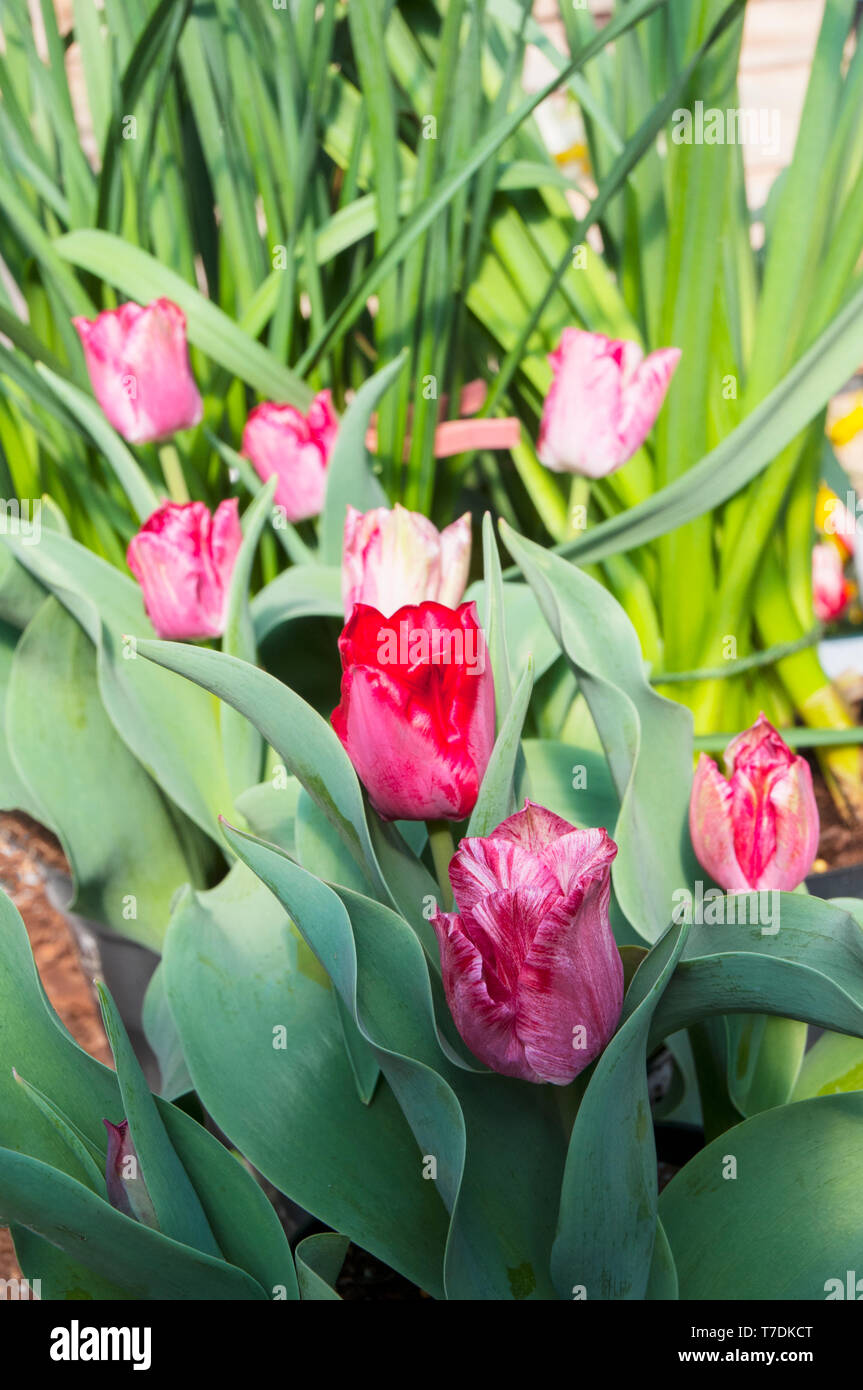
pixel 138 362
pixel 531 971
pixel 183 559
pixel 279 439
pixel 417 709
pixel 759 828
pixel 602 403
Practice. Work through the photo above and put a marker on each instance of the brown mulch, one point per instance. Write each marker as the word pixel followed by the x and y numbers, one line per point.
pixel 840 845
pixel 28 854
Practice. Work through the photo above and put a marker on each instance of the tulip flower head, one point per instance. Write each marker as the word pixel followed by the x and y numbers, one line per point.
pixel 280 439
pixel 138 360
pixel 393 558
pixel 183 559
pixel 417 708
pixel 531 971
pixel 602 402
pixel 127 1190
pixel 757 829
pixel 831 591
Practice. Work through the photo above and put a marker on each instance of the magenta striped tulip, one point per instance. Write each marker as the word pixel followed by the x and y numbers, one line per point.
pixel 531 972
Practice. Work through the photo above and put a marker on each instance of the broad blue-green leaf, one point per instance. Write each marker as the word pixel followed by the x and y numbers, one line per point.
pixel 14 793
pixel 811 968
pixel 496 798
pixel 319 1261
pixel 232 954
pixel 785 1219
pixel 573 782
pixel 303 591
pixel 112 820
pixel 764 1059
pixel 647 739
pixel 241 742
pixel 305 741
pixel 171 728
pixel 142 1261
pixel 502 1216
pixel 32 1037
pixel 161 1033
pixel 607 1229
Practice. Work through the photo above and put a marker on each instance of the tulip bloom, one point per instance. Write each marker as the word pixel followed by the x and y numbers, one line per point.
pixel 602 402
pixel 127 1190
pixel 183 559
pixel 759 828
pixel 831 591
pixel 531 972
pixel 417 708
pixel 394 558
pixel 279 439
pixel 138 361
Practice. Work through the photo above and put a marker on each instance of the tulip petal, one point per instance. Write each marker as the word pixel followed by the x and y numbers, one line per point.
pixel 710 825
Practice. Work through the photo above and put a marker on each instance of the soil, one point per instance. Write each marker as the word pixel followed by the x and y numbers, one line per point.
pixel 840 845
pixel 30 856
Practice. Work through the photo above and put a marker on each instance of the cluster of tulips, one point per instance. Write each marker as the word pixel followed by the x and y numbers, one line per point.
pixel 529 957
pixel 421 847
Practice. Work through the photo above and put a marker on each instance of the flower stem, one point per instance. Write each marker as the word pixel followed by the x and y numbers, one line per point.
pixel 443 849
pixel 172 472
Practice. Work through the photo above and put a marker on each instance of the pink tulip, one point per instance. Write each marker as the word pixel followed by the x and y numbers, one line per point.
pixel 417 708
pixel 138 361
pixel 531 972
pixel 183 559
pixel 831 591
pixel 279 439
pixel 124 1181
pixel 393 558
pixel 602 402
pixel 759 828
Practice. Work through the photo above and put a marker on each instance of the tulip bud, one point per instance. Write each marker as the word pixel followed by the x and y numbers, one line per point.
pixel 279 439
pixel 127 1190
pixel 138 361
pixel 417 709
pixel 831 591
pixel 394 558
pixel 531 971
pixel 759 828
pixel 183 559
pixel 602 402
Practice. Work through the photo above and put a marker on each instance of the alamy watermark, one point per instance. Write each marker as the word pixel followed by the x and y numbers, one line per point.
pixel 21 518
pixel 712 908
pixel 759 127
pixel 442 646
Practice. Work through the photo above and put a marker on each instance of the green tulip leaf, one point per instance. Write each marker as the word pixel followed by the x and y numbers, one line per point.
pixel 647 739
pixel 771 1209
pixel 604 1247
